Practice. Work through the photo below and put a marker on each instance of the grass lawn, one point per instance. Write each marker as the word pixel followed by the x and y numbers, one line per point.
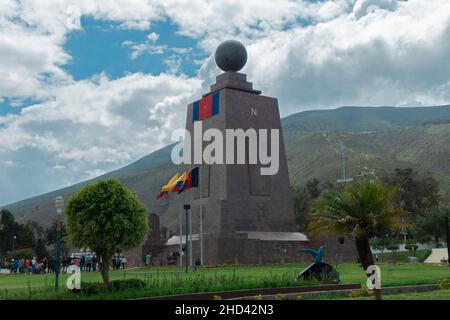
pixel 403 256
pixel 167 280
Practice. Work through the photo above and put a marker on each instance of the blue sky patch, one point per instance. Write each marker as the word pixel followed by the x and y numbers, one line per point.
pixel 103 46
pixel 10 105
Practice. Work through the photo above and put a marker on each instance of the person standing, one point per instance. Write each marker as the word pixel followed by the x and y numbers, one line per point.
pixel 28 265
pixel 45 264
pixel 63 264
pixel 198 264
pixel 51 265
pixel 82 263
pixel 12 266
pixel 94 263
pixel 119 262
pixel 148 258
pixel 90 263
pixel 33 265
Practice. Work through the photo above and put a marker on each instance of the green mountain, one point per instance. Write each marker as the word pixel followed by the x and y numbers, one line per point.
pixel 374 140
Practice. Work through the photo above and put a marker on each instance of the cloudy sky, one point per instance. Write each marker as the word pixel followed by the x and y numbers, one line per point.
pixel 89 86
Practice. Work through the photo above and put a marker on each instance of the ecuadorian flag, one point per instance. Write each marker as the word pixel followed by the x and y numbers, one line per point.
pixel 165 189
pixel 206 107
pixel 191 180
pixel 179 183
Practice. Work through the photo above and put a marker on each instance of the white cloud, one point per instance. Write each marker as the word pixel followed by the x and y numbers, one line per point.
pixel 95 125
pixel 174 64
pixel 363 7
pixel 384 58
pixel 138 49
pixel 308 54
pixel 153 37
pixel 94 120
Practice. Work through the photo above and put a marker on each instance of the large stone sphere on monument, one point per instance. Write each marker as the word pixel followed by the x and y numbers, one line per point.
pixel 231 56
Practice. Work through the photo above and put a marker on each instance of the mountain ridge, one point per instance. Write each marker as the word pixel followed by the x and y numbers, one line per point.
pixel 373 138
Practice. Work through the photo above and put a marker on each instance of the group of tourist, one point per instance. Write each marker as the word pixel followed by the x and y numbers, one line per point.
pixel 119 262
pixel 26 265
pixel 86 263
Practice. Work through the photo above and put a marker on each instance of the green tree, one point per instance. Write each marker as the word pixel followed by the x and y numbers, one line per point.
pixel 363 211
pixel 40 249
pixel 380 243
pixel 303 199
pixel 302 208
pixel 434 226
pixel 412 246
pixel 107 218
pixel 36 228
pixel 314 188
pixel 9 229
pixel 417 193
pixel 394 247
pixel 27 253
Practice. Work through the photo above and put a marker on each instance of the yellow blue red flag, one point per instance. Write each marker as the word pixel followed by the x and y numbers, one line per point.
pixel 165 189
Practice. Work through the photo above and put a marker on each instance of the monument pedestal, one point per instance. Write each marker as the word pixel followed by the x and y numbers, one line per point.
pixel 247 217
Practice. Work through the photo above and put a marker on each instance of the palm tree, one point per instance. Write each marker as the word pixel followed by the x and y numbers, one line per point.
pixel 363 211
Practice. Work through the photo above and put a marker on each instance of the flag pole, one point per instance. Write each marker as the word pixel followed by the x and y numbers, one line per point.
pixel 201 219
pixel 181 236
pixel 190 240
pixel 187 208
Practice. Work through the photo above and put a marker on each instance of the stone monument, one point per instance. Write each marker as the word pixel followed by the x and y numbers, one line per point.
pixel 246 217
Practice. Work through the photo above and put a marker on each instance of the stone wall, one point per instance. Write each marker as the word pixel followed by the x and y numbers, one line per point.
pixel 251 251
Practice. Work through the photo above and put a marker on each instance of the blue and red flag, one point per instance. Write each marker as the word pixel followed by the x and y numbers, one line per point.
pixel 206 107
pixel 191 180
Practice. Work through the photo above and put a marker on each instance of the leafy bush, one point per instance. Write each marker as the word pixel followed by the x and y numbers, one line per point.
pixel 363 292
pixel 412 247
pixel 393 247
pixel 93 288
pixel 119 285
pixel 380 244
